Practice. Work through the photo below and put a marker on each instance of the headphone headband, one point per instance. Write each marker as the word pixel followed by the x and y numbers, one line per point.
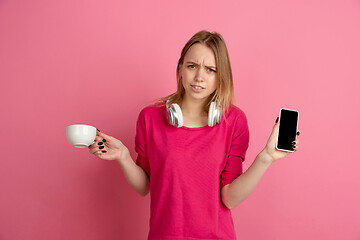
pixel 176 119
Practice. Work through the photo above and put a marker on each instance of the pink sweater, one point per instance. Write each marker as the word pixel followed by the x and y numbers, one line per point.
pixel 187 169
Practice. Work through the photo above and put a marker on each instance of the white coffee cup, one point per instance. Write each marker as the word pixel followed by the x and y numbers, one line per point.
pixel 80 135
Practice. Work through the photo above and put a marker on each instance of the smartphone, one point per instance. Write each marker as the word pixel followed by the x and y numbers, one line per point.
pixel 287 129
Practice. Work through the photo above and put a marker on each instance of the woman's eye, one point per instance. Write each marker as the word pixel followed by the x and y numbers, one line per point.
pixel 191 66
pixel 211 70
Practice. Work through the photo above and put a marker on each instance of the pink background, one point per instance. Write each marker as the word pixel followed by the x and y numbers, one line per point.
pixel 100 62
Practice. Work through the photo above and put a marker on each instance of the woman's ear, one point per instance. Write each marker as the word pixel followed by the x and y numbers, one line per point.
pixel 180 70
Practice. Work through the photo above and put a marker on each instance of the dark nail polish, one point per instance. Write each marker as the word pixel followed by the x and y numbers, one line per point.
pixel 100 143
pixel 298 133
pixel 103 151
pixel 104 140
pixel 101 147
pixel 293 143
pixel 277 119
pixel 98 130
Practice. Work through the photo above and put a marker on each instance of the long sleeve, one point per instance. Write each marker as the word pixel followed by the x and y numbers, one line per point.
pixel 140 144
pixel 237 152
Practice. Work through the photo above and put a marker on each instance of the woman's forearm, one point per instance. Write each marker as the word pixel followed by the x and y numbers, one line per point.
pixel 135 175
pixel 237 191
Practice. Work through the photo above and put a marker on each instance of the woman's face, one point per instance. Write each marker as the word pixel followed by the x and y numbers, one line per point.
pixel 198 72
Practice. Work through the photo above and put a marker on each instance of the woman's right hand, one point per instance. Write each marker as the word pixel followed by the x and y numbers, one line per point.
pixel 108 148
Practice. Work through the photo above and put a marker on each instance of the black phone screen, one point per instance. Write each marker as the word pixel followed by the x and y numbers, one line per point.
pixel 287 129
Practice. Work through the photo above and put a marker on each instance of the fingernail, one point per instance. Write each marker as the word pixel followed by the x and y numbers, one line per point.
pixel 277 119
pixel 293 143
pixel 101 147
pixel 98 130
pixel 298 133
pixel 104 140
pixel 100 143
pixel 103 151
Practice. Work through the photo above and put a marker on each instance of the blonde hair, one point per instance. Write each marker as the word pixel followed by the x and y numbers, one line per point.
pixel 224 93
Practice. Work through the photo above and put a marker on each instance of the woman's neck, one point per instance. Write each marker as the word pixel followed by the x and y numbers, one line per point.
pixel 192 109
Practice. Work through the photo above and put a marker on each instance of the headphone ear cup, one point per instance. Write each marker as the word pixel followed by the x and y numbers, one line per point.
pixel 178 115
pixel 175 116
pixel 211 115
pixel 214 116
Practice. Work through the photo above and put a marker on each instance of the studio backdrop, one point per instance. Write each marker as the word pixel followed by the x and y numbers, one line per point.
pixel 100 62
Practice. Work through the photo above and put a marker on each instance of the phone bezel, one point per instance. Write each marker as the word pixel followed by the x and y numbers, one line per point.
pixel 277 138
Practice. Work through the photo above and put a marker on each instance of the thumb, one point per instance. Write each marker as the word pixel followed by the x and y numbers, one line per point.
pixel 276 126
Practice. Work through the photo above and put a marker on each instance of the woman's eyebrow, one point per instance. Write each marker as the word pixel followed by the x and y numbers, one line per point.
pixel 198 64
pixel 192 62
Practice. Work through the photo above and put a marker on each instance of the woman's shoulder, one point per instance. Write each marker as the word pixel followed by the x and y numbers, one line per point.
pixel 152 109
pixel 236 117
pixel 235 112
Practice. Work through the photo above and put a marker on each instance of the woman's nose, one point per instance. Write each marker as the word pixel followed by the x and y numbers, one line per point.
pixel 199 75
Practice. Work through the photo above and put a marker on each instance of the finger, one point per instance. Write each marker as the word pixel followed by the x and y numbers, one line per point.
pixel 93 150
pixel 107 140
pixel 298 132
pixel 275 127
pixel 97 151
pixel 101 152
pixel 277 122
pixel 92 145
pixel 103 135
pixel 295 145
pixel 100 145
pixel 98 139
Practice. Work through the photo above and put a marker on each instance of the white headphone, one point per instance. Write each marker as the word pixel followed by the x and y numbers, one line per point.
pixel 175 116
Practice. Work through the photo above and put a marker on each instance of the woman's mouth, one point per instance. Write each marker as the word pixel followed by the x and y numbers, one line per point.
pixel 196 88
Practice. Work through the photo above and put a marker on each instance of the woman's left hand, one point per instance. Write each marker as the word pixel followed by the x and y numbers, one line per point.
pixel 270 153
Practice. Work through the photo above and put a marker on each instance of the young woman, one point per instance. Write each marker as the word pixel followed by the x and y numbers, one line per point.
pixel 191 145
